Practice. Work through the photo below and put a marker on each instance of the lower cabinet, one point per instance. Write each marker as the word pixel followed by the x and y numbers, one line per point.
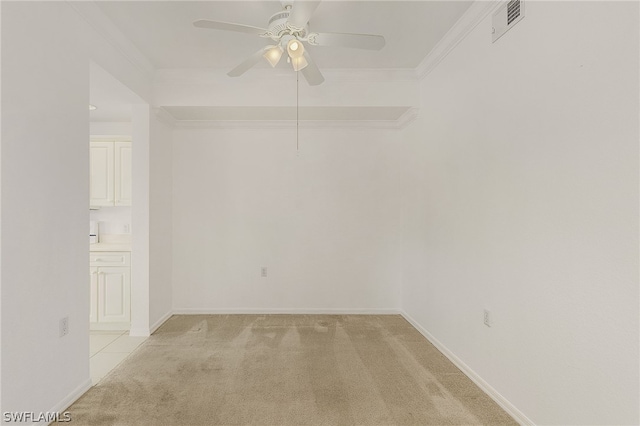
pixel 110 294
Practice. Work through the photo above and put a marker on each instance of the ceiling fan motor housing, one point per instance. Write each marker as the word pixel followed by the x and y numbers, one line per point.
pixel 278 26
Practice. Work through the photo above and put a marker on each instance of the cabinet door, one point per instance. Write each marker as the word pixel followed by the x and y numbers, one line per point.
pixel 93 295
pixel 122 173
pixel 101 181
pixel 114 294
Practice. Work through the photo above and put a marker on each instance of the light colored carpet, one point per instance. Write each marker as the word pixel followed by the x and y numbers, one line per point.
pixel 286 370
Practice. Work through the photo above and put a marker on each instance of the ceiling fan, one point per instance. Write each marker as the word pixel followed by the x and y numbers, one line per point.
pixel 289 29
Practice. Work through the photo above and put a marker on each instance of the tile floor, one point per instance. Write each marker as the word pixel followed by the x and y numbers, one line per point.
pixel 108 349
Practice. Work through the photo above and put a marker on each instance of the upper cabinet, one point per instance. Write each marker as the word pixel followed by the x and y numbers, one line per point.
pixel 110 174
pixel 101 181
pixel 122 167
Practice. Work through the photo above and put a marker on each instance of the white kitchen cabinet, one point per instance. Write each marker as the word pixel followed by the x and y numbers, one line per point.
pixel 93 295
pixel 122 168
pixel 110 174
pixel 101 180
pixel 114 295
pixel 110 290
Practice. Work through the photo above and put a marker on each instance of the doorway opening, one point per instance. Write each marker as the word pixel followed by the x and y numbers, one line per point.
pixel 112 208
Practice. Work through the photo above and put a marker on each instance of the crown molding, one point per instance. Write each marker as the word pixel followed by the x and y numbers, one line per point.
pixel 216 76
pixel 374 75
pixel 407 118
pixel 476 13
pixel 288 124
pixel 163 116
pixel 90 12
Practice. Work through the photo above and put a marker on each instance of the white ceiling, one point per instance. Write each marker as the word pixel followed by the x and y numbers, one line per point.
pixel 163 30
pixel 112 98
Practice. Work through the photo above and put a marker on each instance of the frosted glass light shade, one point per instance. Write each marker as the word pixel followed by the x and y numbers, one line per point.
pixel 273 55
pixel 299 63
pixel 295 49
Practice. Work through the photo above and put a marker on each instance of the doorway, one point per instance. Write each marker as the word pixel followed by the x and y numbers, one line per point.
pixel 116 307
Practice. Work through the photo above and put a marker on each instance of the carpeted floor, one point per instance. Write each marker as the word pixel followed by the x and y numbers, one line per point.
pixel 286 370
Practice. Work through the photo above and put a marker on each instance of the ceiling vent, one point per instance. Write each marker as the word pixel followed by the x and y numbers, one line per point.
pixel 506 17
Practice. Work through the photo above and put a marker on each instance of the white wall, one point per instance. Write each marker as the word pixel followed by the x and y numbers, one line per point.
pixel 160 221
pixel 277 87
pixel 522 197
pixel 323 221
pixel 45 175
pixel 151 215
pixel 112 220
pixel 140 239
pixel 46 51
pixel 0 217
pixel 110 128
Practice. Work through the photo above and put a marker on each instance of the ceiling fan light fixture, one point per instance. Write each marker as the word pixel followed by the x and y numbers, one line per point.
pixel 295 48
pixel 299 63
pixel 289 30
pixel 273 55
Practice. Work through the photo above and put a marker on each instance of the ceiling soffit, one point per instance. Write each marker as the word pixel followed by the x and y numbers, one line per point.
pixel 164 31
pixel 382 76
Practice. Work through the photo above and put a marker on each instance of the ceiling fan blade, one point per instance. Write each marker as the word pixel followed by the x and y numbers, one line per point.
pixel 248 63
pixel 358 41
pixel 228 26
pixel 301 12
pixel 311 72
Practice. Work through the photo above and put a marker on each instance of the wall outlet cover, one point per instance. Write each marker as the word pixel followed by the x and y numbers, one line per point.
pixel 487 318
pixel 64 326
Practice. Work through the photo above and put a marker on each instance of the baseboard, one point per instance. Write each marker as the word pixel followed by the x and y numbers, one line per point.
pixel 506 405
pixel 309 311
pixel 146 332
pixel 156 325
pixel 70 399
pixel 139 332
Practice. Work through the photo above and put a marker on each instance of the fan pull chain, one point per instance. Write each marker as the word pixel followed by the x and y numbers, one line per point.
pixel 297 112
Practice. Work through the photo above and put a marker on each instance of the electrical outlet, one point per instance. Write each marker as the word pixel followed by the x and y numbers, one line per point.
pixel 487 318
pixel 126 228
pixel 263 272
pixel 64 326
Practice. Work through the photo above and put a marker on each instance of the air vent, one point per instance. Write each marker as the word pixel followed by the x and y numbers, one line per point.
pixel 513 11
pixel 506 17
